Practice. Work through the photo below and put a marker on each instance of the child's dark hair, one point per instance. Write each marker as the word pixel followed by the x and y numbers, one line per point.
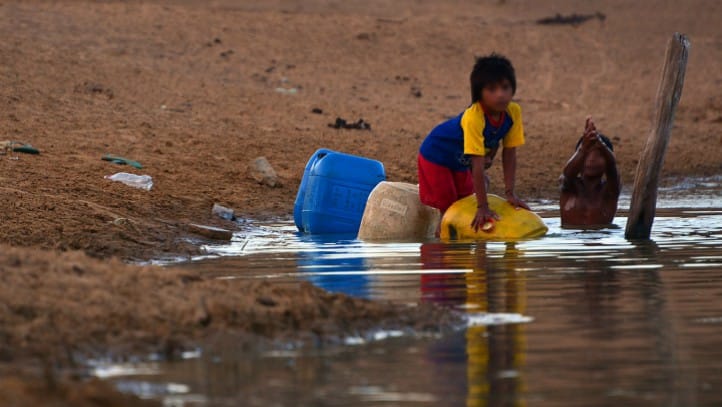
pixel 607 142
pixel 488 70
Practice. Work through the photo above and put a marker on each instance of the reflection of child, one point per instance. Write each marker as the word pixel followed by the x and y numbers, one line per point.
pixel 587 198
pixel 472 139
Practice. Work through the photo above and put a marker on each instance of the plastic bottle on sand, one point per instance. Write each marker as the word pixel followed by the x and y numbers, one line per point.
pixel 136 181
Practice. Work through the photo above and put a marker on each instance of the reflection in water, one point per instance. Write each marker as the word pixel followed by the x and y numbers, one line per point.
pixel 607 297
pixel 338 271
pixel 612 322
pixel 494 353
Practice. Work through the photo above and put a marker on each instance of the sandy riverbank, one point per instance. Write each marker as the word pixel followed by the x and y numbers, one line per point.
pixel 189 89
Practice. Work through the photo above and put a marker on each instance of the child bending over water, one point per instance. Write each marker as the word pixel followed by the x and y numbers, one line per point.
pixel 453 158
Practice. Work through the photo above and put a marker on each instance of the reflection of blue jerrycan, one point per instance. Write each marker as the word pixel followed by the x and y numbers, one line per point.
pixel 333 192
pixel 333 268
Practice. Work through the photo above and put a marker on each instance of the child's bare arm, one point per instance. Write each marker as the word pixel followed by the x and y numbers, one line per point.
pixel 483 212
pixel 572 169
pixel 613 182
pixel 508 160
pixel 576 162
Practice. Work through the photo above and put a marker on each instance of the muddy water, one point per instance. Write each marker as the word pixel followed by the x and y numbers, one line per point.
pixel 574 318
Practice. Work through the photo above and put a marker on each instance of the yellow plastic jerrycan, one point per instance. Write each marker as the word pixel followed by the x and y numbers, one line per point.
pixel 512 224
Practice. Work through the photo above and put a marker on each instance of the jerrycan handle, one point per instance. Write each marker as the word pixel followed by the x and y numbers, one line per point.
pixel 318 157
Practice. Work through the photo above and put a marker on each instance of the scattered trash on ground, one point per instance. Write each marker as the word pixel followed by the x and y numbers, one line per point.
pixel 263 172
pixel 572 19
pixel 343 124
pixel 317 110
pixel 215 41
pixel 27 149
pixel 121 221
pixel 122 161
pixel 366 36
pixel 210 232
pixel 287 91
pixel 94 89
pixel 7 146
pixel 285 87
pixel 223 212
pixel 133 180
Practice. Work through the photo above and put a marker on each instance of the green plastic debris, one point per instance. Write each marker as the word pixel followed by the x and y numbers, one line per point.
pixel 122 161
pixel 18 147
pixel 26 148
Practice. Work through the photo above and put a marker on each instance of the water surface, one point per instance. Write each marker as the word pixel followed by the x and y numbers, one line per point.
pixel 573 318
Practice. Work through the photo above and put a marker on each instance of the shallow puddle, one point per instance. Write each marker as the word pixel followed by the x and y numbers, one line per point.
pixel 573 318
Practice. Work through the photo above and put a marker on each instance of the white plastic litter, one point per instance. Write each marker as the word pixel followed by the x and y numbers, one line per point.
pixel 500 318
pixel 136 181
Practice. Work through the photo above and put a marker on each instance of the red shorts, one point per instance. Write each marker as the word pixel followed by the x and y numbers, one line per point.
pixel 439 187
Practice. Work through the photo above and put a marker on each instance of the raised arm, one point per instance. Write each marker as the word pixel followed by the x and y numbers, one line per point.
pixel 575 164
pixel 613 186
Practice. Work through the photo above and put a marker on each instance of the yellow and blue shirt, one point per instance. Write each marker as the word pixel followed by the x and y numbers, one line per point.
pixel 452 142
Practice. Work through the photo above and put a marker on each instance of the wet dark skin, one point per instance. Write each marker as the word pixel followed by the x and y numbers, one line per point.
pixel 495 99
pixel 590 183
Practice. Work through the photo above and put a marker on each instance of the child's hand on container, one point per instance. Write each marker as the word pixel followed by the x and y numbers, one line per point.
pixel 516 202
pixel 483 218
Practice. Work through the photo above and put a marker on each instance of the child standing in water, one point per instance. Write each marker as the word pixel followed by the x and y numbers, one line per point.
pixel 453 158
pixel 590 182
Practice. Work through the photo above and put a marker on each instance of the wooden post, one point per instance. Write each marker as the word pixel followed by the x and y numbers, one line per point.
pixel 646 180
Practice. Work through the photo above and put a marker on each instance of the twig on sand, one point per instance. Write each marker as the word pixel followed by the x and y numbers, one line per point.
pixel 572 19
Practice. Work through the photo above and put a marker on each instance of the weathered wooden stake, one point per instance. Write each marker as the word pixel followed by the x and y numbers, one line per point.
pixel 646 180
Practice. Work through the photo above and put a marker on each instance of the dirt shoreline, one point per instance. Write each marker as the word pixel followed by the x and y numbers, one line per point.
pixel 195 91
pixel 60 309
pixel 190 92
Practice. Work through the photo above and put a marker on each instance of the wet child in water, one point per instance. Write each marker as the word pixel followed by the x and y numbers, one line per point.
pixel 590 183
pixel 453 158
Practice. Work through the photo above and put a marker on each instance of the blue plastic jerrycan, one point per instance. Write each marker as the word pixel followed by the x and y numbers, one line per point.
pixel 333 192
pixel 300 195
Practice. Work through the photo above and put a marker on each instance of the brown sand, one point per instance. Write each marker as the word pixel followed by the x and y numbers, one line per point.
pixel 59 308
pixel 188 88
pixel 83 79
pixel 31 391
pixel 127 305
